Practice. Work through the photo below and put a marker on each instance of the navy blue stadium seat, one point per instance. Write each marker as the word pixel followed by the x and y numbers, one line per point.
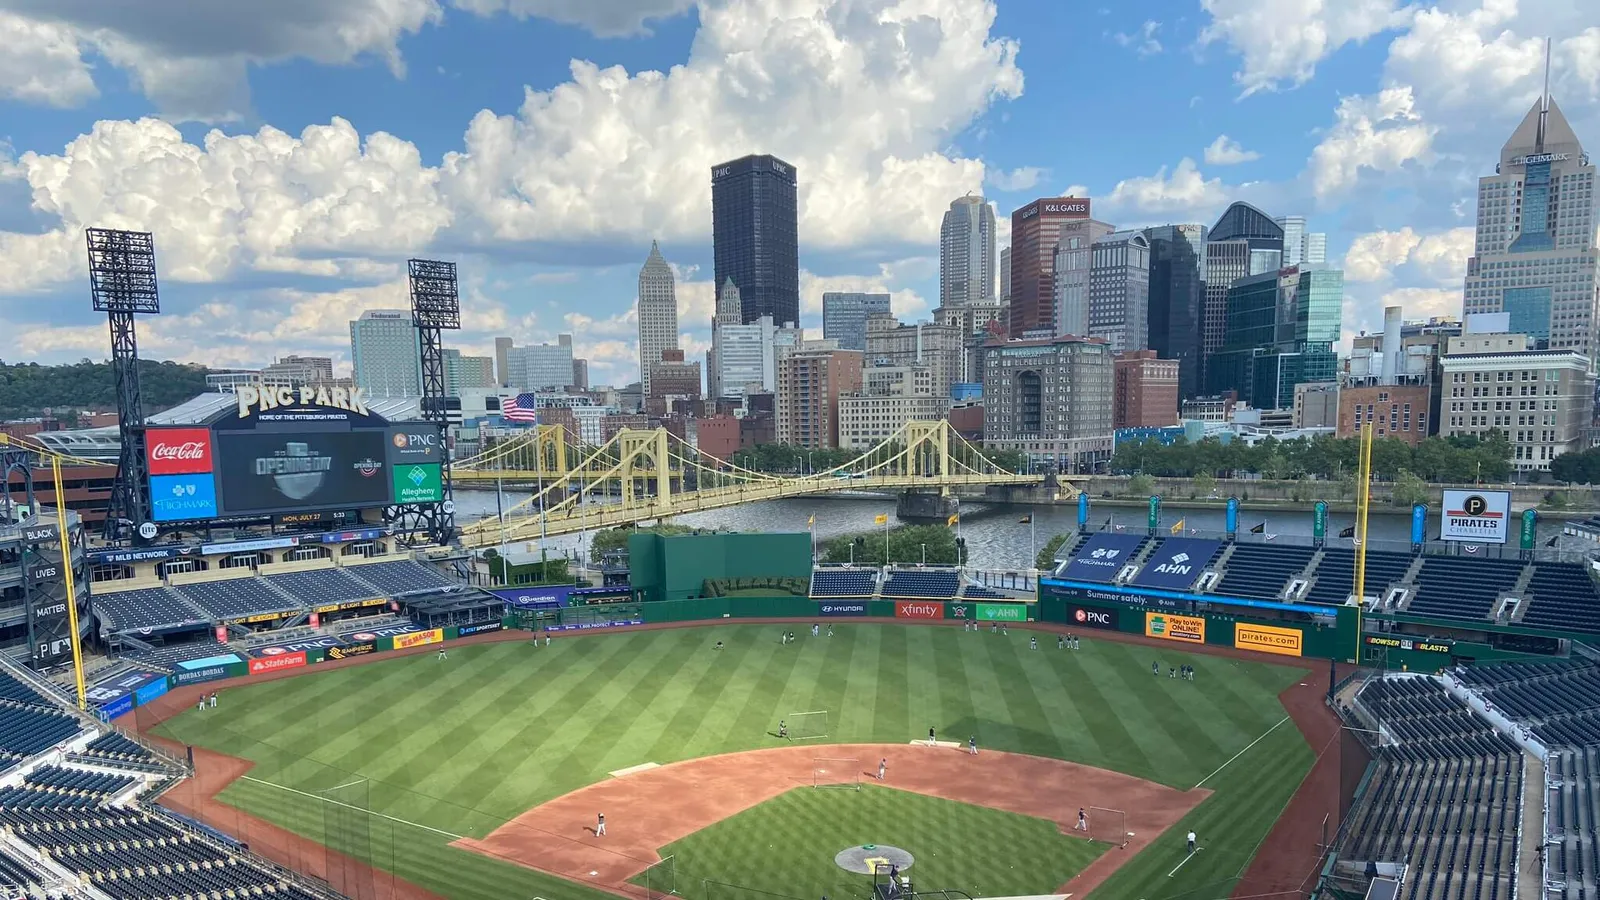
pixel 843 582
pixel 321 587
pixel 155 607
pixel 1261 571
pixel 921 584
pixel 1461 587
pixel 1562 597
pixel 237 598
pixel 402 577
pixel 1335 578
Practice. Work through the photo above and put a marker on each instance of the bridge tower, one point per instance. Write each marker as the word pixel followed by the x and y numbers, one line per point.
pixel 636 445
pixel 550 446
pixel 928 449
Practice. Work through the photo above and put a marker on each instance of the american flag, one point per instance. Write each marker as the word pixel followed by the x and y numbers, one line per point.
pixel 520 408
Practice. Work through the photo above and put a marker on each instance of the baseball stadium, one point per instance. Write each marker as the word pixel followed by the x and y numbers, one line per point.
pixel 276 668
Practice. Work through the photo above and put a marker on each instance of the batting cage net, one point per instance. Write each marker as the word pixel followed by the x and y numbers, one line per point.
pixel 1108 826
pixel 836 773
pixel 660 880
pixel 804 726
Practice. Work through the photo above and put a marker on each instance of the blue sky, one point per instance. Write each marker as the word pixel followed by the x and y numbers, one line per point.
pixel 290 156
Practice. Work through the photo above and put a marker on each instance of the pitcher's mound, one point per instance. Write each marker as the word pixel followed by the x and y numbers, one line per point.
pixel 870 859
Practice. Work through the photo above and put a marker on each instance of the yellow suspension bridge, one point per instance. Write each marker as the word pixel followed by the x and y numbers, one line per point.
pixel 651 474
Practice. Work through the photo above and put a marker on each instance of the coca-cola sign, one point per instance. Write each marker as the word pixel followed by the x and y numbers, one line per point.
pixel 178 451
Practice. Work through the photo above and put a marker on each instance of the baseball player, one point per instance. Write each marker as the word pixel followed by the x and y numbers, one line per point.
pixel 931 741
pixel 1191 842
pixel 1061 642
pixel 883 767
pixel 815 629
pixel 783 729
pixel 1083 821
pixel 972 745
pixel 600 827
pixel 442 653
pixel 1033 643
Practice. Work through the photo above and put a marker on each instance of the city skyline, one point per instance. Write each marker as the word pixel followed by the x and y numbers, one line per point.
pixel 1362 134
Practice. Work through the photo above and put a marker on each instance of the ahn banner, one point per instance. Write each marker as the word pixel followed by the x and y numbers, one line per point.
pixel 918 609
pixel 419 638
pixel 349 650
pixel 1268 639
pixel 1176 565
pixel 1102 557
pixel 1091 617
pixel 1170 627
pixel 1002 612
pixel 277 663
pixel 1475 517
pixel 480 628
pixel 844 608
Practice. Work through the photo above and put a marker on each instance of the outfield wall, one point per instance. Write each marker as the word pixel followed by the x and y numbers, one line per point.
pixel 676 567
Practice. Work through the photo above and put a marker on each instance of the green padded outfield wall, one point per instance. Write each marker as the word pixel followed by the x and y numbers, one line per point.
pixel 677 567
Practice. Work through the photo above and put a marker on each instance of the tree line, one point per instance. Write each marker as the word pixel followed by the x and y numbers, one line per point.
pixel 28 389
pixel 1454 460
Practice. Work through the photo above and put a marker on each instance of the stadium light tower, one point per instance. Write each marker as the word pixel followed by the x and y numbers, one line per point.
pixel 122 284
pixel 435 307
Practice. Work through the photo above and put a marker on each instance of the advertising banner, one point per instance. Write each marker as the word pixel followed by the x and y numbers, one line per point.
pixel 842 608
pixel 1089 617
pixel 348 604
pixel 1530 528
pixel 349 650
pixel 418 483
pixel 1176 565
pixel 1232 516
pixel 586 626
pixel 1155 513
pixel 1002 612
pixel 123 557
pixel 267 472
pixel 277 663
pixel 1319 520
pixel 918 609
pixel 150 691
pixel 208 673
pixel 179 498
pixel 1395 643
pixel 535 597
pixel 414 443
pixel 345 537
pixel 49 630
pixel 178 451
pixel 1083 511
pixel 1419 523
pixel 387 631
pixel 323 641
pixel 1267 639
pixel 480 628
pixel 1475 517
pixel 418 638
pixel 1173 627
pixel 113 708
pixel 962 611
pixel 1102 557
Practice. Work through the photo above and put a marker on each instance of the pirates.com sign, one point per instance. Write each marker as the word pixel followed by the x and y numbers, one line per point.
pixel 1476 517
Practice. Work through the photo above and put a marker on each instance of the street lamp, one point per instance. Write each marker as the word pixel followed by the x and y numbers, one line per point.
pixel 924 554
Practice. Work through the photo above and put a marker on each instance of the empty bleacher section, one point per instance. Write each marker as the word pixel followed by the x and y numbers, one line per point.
pixel 977 592
pixel 321 587
pixel 844 583
pixel 1445 797
pixel 237 598
pixel 402 577
pixel 155 607
pixel 1260 571
pixel 78 781
pixel 115 749
pixel 165 658
pixel 1335 575
pixel 921 584
pixel 1459 587
pixel 1564 599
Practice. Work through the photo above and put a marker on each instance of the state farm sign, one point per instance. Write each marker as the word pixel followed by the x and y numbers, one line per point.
pixel 178 451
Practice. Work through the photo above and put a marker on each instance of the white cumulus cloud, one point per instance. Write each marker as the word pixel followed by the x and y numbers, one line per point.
pixel 1282 42
pixel 607 18
pixel 1225 151
pixel 1018 179
pixel 1184 194
pixel 1380 132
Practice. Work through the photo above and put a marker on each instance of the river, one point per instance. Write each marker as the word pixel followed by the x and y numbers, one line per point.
pixel 996 536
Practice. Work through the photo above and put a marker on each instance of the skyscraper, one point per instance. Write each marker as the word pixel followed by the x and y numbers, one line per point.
pixel 1534 257
pixel 1177 291
pixel 1299 245
pixel 1119 291
pixel 1244 242
pixel 966 252
pixel 1005 274
pixel 1035 233
pixel 1073 262
pixel 844 316
pixel 386 353
pixel 755 235
pixel 657 313
pixel 1281 328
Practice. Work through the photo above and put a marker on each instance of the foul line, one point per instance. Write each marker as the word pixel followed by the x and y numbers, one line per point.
pixel 1185 859
pixel 454 837
pixel 1258 740
pixel 341 787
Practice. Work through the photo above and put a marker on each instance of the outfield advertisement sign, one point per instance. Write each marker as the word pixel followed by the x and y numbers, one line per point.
pixel 845 608
pixel 1002 612
pixel 1268 639
pixel 1394 643
pixel 1171 627
pixel 536 597
pixel 150 692
pixel 277 663
pixel 110 710
pixel 1476 517
pixel 419 638
pixel 480 628
pixel 586 626
pixel 918 609
pixel 207 673
pixel 1090 617
pixel 1176 565
pixel 349 650
pixel 962 611
pixel 389 631
pixel 321 643
pixel 1113 595
pixel 1102 557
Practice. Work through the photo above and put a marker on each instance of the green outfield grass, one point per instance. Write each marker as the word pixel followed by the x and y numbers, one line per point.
pixel 985 852
pixel 457 747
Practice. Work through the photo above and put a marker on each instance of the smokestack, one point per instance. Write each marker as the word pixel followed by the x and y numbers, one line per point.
pixel 1394 357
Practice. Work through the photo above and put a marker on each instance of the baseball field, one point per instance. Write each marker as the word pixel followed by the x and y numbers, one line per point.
pixel 483 775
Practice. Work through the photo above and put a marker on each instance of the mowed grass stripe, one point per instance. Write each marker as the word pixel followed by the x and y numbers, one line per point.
pixel 499 728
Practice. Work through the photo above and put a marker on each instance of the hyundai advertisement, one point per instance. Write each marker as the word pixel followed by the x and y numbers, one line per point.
pixel 265 472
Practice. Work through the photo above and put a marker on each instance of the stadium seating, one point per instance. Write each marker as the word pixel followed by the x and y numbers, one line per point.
pixel 15 873
pixel 78 781
pixel 978 592
pixel 237 598
pixel 1261 571
pixel 1335 575
pixel 320 587
pixel 166 658
pixel 921 584
pixel 1562 597
pixel 1460 587
pixel 1445 797
pixel 843 583
pixel 403 577
pixel 146 608
pixel 115 749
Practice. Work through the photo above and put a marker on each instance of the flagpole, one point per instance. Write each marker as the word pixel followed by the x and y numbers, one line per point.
pixel 500 511
pixel 1033 544
pixel 886 540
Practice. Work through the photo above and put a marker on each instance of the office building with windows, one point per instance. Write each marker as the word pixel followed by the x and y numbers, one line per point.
pixel 1301 247
pixel 890 396
pixel 1050 399
pixel 1281 330
pixel 1542 400
pixel 1119 291
pixel 755 232
pixel 467 372
pixel 541 367
pixel 967 252
pixel 1245 241
pixel 1036 234
pixel 1074 264
pixel 386 354
pixel 844 316
pixel 938 347
pixel 811 379
pixel 657 313
pixel 1177 295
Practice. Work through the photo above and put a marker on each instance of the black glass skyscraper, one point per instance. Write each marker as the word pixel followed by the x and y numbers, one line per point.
pixel 755 235
pixel 1177 298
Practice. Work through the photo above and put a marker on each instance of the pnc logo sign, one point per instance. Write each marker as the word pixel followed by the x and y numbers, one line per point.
pixel 178 451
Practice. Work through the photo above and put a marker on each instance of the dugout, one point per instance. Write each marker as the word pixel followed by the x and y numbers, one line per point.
pixel 456 607
pixel 677 567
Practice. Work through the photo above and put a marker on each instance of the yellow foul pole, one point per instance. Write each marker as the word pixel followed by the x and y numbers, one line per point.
pixel 72 594
pixel 1363 504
